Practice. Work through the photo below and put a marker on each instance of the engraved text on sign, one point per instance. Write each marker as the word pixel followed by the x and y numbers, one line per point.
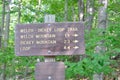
pixel 49 39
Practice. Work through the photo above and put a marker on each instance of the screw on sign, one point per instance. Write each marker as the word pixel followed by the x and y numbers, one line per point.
pixel 49 77
pixel 49 39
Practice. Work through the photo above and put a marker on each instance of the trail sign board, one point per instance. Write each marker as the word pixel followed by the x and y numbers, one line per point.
pixel 49 39
pixel 50 71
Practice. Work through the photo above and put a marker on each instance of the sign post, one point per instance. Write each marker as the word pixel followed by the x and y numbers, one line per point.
pixel 49 19
pixel 49 39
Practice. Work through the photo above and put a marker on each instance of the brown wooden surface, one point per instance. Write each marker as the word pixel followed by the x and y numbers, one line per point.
pixel 50 71
pixel 62 44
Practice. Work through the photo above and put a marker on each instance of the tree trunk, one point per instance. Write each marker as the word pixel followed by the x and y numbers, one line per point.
pixel 6 32
pixel 81 18
pixel 102 21
pixel 81 10
pixel 4 71
pixel 66 10
pixel 39 4
pixel 89 11
pixel 19 11
pixel 102 15
pixel 98 77
pixel 3 21
pixel 73 14
pixel 1 36
pixel 26 71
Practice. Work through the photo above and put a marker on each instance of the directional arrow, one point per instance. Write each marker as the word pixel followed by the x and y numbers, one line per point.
pixel 76 47
pixel 75 41
pixel 67 47
pixel 75 35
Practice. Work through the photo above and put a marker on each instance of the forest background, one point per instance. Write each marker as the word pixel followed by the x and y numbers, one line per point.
pixel 102 37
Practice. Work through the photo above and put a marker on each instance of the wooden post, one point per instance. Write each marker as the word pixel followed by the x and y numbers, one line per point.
pixel 49 19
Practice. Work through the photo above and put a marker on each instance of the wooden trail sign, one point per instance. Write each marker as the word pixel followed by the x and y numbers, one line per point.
pixel 49 39
pixel 50 71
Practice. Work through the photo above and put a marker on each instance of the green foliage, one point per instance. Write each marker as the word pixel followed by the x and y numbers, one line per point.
pixel 94 62
pixel 31 12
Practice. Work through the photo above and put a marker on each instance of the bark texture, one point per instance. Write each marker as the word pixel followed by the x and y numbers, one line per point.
pixel 6 32
pixel 19 11
pixel 66 10
pixel 3 21
pixel 102 15
pixel 102 21
pixel 90 12
pixel 81 10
